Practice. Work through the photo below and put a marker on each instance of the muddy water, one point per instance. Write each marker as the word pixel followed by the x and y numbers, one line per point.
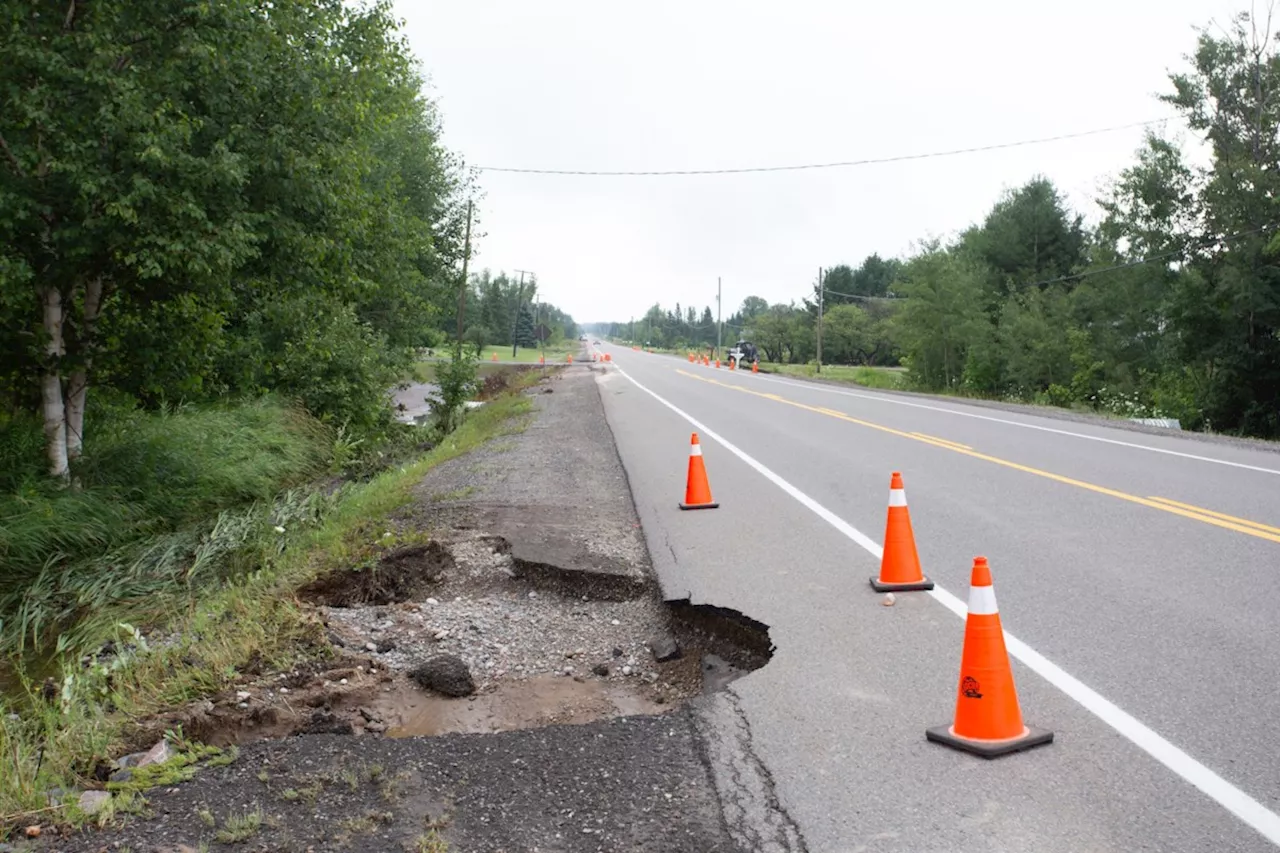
pixel 542 701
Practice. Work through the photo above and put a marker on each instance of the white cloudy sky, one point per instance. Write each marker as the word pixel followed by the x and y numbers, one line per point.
pixel 665 84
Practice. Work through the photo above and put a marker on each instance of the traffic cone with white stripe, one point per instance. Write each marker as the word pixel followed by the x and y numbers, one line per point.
pixel 900 564
pixel 988 720
pixel 697 491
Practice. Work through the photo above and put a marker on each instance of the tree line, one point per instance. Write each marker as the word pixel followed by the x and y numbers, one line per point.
pixel 1168 306
pixel 209 200
pixel 501 310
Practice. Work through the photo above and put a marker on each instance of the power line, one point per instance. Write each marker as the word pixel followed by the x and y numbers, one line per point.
pixel 1149 259
pixel 857 296
pixel 840 164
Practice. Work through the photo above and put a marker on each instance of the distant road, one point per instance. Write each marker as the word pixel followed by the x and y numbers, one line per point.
pixel 1135 574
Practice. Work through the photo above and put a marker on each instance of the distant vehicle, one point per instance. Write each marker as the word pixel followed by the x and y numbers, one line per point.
pixel 595 343
pixel 743 352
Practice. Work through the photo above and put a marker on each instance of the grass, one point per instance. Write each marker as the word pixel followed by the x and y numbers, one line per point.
pixel 431 842
pixel 239 828
pixel 214 631
pixel 869 377
pixel 425 370
pixel 164 499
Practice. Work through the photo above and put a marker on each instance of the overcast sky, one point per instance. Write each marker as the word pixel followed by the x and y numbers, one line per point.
pixel 705 84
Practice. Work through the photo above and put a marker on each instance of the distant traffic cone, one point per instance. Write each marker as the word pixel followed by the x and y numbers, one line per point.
pixel 542 359
pixel 755 366
pixel 717 364
pixel 495 357
pixel 900 564
pixel 697 491
pixel 988 721
pixel 569 358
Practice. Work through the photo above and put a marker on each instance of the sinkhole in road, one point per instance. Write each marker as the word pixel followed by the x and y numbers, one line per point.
pixel 455 635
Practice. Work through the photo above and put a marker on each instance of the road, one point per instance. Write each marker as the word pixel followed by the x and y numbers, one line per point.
pixel 1144 631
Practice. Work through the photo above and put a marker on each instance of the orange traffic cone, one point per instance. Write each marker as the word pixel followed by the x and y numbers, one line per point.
pixel 495 357
pixel 697 491
pixel 900 564
pixel 542 359
pixel 755 366
pixel 717 364
pixel 988 720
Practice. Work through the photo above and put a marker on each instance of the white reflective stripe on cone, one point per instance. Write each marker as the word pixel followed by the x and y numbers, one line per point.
pixel 982 601
pixel 695 450
pixel 897 497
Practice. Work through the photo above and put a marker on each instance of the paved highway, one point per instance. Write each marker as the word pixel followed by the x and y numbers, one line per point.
pixel 1135 575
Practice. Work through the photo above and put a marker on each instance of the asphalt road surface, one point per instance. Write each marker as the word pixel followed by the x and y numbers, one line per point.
pixel 1135 576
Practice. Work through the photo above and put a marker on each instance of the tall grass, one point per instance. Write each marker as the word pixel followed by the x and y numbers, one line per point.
pixel 868 377
pixel 54 742
pixel 161 498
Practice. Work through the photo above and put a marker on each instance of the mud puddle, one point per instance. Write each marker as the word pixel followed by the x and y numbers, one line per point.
pixel 533 655
pixel 542 701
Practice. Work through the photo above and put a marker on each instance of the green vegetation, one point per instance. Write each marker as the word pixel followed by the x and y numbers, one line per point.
pixel 226 231
pixel 56 741
pixel 869 377
pixel 240 827
pixel 169 500
pixel 1169 306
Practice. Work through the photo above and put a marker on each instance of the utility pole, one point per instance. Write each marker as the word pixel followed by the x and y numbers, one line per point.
pixel 515 321
pixel 720 325
pixel 821 288
pixel 462 288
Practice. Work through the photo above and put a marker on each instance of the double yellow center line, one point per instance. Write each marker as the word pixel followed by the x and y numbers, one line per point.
pixel 1207 516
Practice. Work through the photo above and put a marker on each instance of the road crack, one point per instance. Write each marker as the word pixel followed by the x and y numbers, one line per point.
pixel 751 811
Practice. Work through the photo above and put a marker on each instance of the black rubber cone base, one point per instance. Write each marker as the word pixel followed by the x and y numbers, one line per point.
pixel 900 587
pixel 989 749
pixel 699 506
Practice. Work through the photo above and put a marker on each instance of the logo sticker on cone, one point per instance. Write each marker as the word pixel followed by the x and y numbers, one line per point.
pixel 697 491
pixel 988 720
pixel 900 564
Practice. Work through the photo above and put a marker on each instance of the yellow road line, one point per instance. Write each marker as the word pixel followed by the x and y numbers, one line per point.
pixel 943 440
pixel 1205 516
pixel 1222 515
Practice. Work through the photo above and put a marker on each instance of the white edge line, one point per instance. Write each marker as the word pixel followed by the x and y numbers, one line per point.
pixel 1234 800
pixel 884 398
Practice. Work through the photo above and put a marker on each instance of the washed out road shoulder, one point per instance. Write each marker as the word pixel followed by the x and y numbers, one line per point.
pixel 650 782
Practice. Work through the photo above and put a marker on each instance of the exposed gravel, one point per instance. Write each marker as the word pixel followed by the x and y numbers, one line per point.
pixel 501 628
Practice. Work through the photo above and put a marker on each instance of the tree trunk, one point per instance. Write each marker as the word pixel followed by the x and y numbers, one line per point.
pixel 55 424
pixel 78 382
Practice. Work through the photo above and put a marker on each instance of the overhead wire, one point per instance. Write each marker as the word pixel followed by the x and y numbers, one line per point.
pixel 831 165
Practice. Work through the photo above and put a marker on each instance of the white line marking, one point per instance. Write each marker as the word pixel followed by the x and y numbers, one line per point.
pixel 1234 800
pixel 881 398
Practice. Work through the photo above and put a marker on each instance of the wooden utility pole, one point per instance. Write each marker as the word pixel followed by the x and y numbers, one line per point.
pixel 820 289
pixel 719 324
pixel 462 288
pixel 515 321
